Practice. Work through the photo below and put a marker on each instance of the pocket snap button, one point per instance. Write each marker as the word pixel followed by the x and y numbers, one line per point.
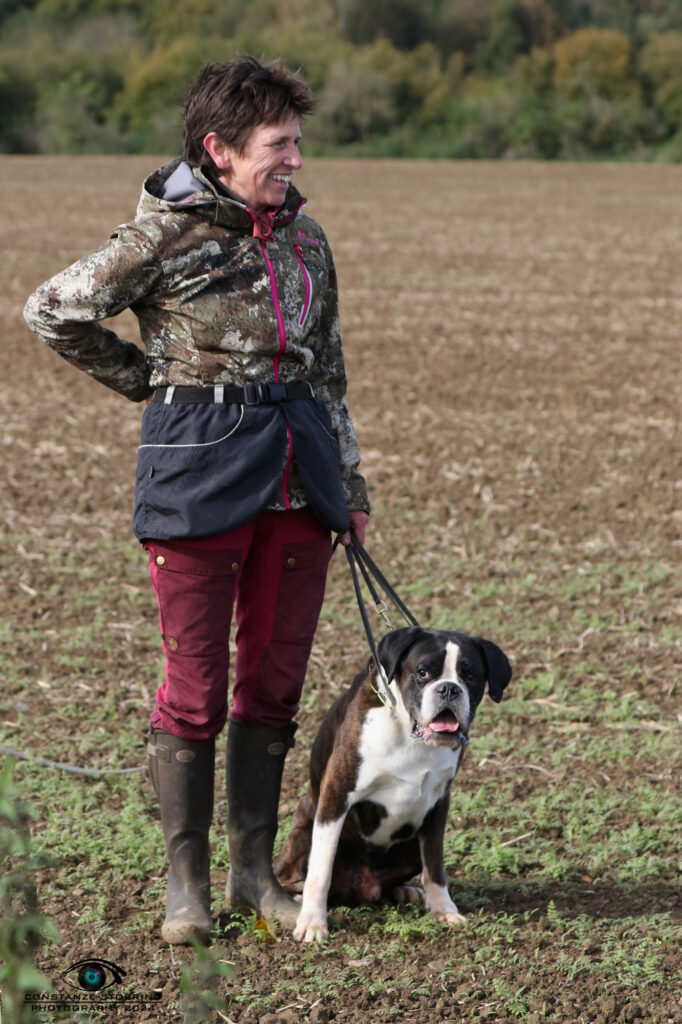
pixel 235 567
pixel 160 560
pixel 291 562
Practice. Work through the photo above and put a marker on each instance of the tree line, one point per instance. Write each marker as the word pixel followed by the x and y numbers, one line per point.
pixel 524 79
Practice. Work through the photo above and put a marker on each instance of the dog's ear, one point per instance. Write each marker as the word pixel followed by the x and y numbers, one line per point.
pixel 499 670
pixel 394 646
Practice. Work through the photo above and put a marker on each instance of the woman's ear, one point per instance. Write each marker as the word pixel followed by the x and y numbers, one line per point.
pixel 218 151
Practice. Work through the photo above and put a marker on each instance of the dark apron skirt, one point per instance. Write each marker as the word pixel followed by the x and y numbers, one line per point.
pixel 206 468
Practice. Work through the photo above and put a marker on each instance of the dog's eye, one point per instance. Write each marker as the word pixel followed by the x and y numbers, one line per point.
pixel 423 674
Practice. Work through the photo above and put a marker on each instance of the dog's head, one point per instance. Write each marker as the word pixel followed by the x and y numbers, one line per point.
pixel 441 677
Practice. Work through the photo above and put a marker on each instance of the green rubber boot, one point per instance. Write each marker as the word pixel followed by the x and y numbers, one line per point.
pixel 182 773
pixel 255 762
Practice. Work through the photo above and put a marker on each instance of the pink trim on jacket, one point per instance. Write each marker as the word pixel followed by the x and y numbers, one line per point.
pixel 308 286
pixel 275 362
pixel 278 311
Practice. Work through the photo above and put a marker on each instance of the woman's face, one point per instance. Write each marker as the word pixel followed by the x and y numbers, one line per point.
pixel 260 176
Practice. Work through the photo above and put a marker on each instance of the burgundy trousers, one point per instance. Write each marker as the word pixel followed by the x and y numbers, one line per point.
pixel 275 569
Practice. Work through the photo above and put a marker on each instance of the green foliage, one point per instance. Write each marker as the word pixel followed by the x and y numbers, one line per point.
pixel 661 66
pixel 116 848
pixel 17 105
pixel 356 104
pixel 463 28
pixel 10 7
pixel 22 929
pixel 199 983
pixel 405 23
pixel 516 27
pixel 548 79
pixel 594 62
pixel 149 103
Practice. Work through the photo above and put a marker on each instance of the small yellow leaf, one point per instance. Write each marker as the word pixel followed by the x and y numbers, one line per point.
pixel 265 933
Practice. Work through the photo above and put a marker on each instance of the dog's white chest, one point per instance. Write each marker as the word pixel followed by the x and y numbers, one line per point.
pixel 405 776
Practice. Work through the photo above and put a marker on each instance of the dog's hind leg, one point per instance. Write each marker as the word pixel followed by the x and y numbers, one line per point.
pixel 395 867
pixel 292 863
pixel 409 894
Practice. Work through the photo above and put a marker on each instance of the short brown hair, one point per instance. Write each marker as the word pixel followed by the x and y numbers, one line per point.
pixel 235 97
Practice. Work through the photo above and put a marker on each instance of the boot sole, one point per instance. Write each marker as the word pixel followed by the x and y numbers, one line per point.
pixel 184 934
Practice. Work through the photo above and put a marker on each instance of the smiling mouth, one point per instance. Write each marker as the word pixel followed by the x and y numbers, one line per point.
pixel 445 724
pixel 283 179
pixel 446 721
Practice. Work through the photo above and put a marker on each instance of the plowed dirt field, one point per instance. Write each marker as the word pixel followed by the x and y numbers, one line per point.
pixel 512 340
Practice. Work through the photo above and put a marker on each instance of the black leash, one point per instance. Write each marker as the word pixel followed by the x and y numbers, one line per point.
pixel 357 557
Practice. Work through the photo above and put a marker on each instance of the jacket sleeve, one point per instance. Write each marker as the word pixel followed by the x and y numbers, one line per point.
pixel 64 312
pixel 328 379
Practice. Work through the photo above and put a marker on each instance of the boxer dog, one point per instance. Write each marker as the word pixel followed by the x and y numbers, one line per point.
pixel 377 805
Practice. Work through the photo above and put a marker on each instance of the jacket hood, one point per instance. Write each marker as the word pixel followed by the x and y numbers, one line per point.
pixel 178 187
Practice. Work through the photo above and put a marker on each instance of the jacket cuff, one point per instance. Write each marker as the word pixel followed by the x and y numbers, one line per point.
pixel 355 489
pixel 130 380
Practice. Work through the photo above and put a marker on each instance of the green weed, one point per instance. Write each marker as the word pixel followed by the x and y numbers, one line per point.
pixel 23 930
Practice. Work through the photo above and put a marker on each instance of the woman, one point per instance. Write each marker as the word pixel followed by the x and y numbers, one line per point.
pixel 248 457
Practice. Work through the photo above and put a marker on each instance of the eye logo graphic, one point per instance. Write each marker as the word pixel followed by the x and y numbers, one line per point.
pixel 91 978
pixel 93 975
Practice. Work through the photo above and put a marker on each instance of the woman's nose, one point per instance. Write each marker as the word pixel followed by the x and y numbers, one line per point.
pixel 294 158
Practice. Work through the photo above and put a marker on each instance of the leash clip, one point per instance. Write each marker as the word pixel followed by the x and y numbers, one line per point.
pixel 382 610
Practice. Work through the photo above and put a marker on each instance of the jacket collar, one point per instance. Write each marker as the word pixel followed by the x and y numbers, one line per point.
pixel 193 189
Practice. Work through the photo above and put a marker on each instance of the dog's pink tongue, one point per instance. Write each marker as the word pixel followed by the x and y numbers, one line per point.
pixel 444 723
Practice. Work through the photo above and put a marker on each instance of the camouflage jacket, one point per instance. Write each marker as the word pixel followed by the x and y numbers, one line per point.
pixel 215 304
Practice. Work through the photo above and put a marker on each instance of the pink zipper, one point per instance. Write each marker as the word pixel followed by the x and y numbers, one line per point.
pixel 308 286
pixel 278 312
pixel 275 364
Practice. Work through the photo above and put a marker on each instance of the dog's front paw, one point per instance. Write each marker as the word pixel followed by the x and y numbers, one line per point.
pixel 448 917
pixel 440 904
pixel 311 926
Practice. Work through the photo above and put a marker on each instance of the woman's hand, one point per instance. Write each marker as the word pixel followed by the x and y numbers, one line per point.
pixel 358 526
